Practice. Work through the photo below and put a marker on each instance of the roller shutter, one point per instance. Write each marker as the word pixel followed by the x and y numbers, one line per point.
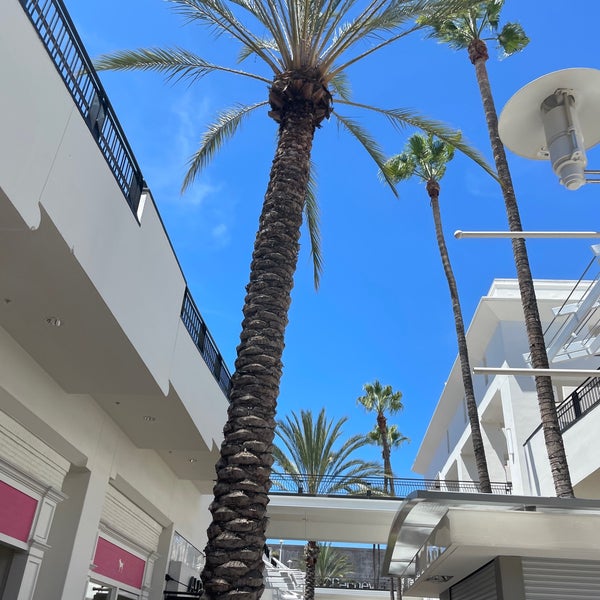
pixel 481 585
pixel 121 515
pixel 554 579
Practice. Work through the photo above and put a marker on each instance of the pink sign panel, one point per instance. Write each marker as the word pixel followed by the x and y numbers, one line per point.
pixel 17 511
pixel 118 564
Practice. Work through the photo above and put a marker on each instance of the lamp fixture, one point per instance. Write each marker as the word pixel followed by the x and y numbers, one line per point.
pixel 556 118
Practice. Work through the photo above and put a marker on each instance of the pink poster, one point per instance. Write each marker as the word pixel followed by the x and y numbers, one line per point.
pixel 118 564
pixel 17 511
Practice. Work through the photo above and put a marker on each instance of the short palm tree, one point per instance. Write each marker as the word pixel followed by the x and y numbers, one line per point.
pixel 426 158
pixel 395 439
pixel 331 564
pixel 383 400
pixel 301 50
pixel 468 31
pixel 313 452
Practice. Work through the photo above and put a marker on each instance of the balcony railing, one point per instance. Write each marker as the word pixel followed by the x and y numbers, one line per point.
pixel 578 403
pixel 57 32
pixel 371 487
pixel 190 315
pixel 65 48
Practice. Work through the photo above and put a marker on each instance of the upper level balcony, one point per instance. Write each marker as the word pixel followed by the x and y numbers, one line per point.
pixel 91 287
pixel 579 423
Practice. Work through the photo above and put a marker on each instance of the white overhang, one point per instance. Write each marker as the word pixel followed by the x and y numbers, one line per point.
pixel 439 538
pixel 331 519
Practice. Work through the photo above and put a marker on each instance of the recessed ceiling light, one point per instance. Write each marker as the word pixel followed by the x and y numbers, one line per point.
pixel 53 321
pixel 149 418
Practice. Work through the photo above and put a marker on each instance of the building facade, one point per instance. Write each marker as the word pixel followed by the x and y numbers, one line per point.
pixel 508 407
pixel 113 394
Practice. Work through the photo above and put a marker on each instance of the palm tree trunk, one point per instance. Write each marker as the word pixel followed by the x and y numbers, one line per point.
pixel 537 347
pixel 388 474
pixel 312 553
pixel 433 189
pixel 237 534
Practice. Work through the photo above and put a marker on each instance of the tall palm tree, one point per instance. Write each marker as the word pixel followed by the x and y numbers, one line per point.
pixel 310 451
pixel 468 31
pixel 302 49
pixel 426 158
pixel 381 400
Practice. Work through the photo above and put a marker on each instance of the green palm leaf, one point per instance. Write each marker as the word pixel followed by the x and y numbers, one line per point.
pixel 367 141
pixel 175 63
pixel 309 447
pixel 512 38
pixel 400 118
pixel 311 212
pixel 217 133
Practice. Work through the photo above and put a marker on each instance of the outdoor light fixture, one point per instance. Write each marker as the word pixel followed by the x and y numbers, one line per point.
pixel 556 118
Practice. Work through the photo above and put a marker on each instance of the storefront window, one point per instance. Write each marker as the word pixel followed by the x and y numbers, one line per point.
pixel 183 552
pixel 185 564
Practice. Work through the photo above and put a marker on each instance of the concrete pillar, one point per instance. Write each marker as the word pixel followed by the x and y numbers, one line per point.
pixel 73 535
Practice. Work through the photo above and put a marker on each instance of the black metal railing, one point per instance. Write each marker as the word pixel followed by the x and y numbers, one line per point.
pixel 371 487
pixel 194 323
pixel 63 44
pixel 578 403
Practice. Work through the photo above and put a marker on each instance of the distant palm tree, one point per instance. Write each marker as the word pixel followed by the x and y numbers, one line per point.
pixel 395 439
pixel 426 158
pixel 468 31
pixel 301 50
pixel 331 564
pixel 311 453
pixel 381 400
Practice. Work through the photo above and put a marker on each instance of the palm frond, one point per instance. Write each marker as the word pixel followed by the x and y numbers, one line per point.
pixel 367 141
pixel 512 39
pixel 340 86
pixel 247 51
pixel 311 211
pixel 217 16
pixel 175 63
pixel 400 118
pixel 399 167
pixel 311 447
pixel 456 33
pixel 492 10
pixel 217 133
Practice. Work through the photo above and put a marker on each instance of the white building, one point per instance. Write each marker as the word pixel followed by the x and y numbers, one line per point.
pixel 529 545
pixel 112 395
pixel 508 405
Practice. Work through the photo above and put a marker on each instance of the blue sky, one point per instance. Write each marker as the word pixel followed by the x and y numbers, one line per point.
pixel 382 311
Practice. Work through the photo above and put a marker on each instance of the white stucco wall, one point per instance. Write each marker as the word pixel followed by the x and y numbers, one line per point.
pixel 79 431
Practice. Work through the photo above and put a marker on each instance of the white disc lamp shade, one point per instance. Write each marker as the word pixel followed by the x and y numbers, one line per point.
pixel 556 118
